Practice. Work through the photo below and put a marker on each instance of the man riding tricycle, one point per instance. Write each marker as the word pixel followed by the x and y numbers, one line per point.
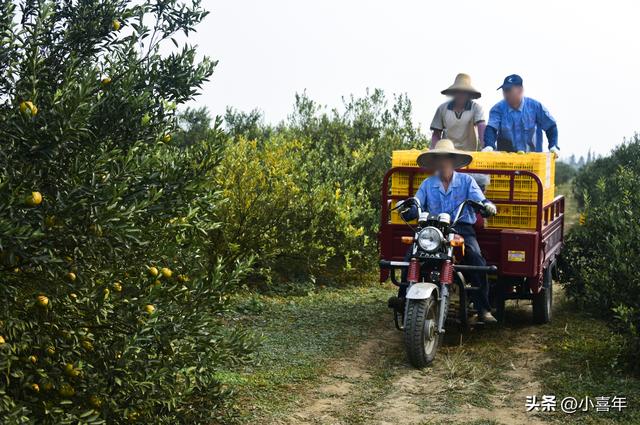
pixel 444 250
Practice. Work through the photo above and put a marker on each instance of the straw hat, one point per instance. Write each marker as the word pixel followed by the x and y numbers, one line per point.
pixel 444 148
pixel 462 83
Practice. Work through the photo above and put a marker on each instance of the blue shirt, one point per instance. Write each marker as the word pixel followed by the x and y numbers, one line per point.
pixel 520 126
pixel 434 199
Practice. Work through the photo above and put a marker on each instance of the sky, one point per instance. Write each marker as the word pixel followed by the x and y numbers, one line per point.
pixel 581 59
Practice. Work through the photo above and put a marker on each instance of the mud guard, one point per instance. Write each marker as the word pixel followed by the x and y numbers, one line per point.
pixel 421 291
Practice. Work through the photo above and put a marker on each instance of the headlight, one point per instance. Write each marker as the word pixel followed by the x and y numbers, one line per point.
pixel 430 239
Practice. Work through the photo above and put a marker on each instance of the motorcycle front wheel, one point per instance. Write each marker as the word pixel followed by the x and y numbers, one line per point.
pixel 421 338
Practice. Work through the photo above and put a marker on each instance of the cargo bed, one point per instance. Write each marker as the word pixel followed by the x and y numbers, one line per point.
pixel 521 253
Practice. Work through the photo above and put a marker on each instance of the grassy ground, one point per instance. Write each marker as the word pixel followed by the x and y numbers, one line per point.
pixel 571 206
pixel 300 335
pixel 333 357
pixel 583 357
pixel 583 362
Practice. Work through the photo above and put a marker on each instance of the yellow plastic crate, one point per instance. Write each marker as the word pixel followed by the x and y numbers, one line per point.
pixel 513 217
pixel 541 164
pixel 400 183
pixel 509 216
pixel 406 158
pixel 525 189
pixel 400 180
pixel 499 195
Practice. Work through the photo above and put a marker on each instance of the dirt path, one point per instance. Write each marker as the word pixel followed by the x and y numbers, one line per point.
pixel 481 377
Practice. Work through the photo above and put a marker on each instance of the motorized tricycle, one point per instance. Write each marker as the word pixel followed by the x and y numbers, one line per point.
pixel 520 264
pixel 430 273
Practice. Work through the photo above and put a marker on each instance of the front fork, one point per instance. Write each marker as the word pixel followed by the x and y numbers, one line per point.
pixel 446 279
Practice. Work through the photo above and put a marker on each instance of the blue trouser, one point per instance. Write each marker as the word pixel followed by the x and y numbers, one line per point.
pixel 472 257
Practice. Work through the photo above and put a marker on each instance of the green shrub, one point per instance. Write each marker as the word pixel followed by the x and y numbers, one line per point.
pixel 112 292
pixel 294 228
pixel 353 146
pixel 599 261
pixel 314 183
pixel 626 156
pixel 564 173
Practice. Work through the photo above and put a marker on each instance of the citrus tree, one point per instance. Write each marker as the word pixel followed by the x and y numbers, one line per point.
pixel 296 229
pixel 304 195
pixel 112 292
pixel 598 261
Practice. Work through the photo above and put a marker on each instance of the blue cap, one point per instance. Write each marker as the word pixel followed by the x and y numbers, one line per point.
pixel 510 81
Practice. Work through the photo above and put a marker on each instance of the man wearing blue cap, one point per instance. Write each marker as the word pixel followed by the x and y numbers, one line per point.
pixel 516 123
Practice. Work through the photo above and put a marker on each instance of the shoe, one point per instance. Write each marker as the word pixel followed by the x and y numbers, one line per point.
pixel 487 317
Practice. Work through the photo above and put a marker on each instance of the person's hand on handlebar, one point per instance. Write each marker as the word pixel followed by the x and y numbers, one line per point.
pixel 408 208
pixel 488 209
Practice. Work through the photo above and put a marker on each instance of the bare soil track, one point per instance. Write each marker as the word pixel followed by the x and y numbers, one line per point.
pixel 479 377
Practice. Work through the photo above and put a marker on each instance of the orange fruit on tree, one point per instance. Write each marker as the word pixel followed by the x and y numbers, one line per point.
pixel 34 199
pixel 42 300
pixel 66 390
pixel 28 108
pixel 149 308
pixel 153 271
pixel 33 359
pixel 71 276
pixel 35 388
pixel 71 371
pixel 115 25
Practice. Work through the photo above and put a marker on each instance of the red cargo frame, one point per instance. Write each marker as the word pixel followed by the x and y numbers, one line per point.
pixel 541 245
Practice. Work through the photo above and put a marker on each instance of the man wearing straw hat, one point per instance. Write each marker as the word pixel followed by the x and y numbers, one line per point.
pixel 458 118
pixel 443 192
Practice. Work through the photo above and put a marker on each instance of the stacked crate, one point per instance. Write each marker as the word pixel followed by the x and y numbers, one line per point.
pixel 525 188
pixel 400 179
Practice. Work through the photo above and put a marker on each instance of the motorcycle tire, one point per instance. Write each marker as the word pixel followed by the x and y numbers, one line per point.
pixel 542 302
pixel 420 333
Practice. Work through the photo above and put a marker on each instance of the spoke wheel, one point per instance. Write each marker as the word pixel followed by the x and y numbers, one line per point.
pixel 420 334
